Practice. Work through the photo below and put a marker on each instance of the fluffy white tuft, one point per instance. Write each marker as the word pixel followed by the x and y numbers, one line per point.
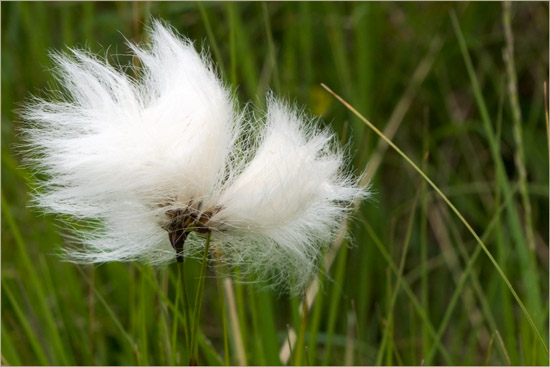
pixel 123 152
pixel 288 202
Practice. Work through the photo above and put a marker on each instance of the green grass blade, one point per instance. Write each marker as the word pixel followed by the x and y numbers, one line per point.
pixel 175 324
pixel 268 315
pixel 21 316
pixel 230 15
pixel 35 283
pixel 409 292
pixel 529 274
pixel 466 273
pixel 299 347
pixel 271 48
pixel 198 304
pixel 224 318
pixel 397 286
pixel 211 38
pixel 10 355
pixel 126 336
pixel 259 342
pixel 334 305
pixel 204 345
pixel 211 357
pixel 144 316
pixel 315 321
pixel 455 210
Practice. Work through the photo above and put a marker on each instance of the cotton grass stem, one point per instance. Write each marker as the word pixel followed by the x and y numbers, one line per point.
pixel 204 344
pixel 193 360
pixel 185 306
pixel 222 308
pixel 179 298
pixel 453 208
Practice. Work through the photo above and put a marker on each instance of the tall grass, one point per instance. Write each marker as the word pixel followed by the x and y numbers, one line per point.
pixel 448 271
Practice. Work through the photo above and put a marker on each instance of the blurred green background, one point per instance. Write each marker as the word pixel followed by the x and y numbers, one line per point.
pixel 411 286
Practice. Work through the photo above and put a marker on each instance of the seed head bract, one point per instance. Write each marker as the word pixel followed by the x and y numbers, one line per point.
pixel 162 153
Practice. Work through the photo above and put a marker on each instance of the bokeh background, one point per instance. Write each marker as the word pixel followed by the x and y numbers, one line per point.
pixel 411 285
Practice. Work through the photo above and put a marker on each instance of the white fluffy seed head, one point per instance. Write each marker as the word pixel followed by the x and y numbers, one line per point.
pixel 124 151
pixel 287 204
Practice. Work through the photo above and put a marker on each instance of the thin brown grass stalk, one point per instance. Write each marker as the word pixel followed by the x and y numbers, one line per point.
pixel 519 156
pixel 234 319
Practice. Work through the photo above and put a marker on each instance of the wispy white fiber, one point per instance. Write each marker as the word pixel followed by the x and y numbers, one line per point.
pixel 141 155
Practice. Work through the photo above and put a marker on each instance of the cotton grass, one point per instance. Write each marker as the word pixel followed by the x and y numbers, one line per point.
pixel 160 159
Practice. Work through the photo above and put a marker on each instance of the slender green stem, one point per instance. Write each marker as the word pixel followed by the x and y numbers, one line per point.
pixel 211 37
pixel 467 270
pixel 193 360
pixel 30 269
pixel 271 47
pixel 397 285
pixel 224 322
pixel 415 302
pixel 424 233
pixel 334 305
pixel 230 9
pixel 186 322
pixel 299 348
pixel 116 320
pixel 27 328
pixel 174 339
pixel 546 112
pixel 203 342
pixel 222 306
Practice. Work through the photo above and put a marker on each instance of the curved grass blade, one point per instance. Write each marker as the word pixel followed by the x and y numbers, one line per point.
pixel 453 208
